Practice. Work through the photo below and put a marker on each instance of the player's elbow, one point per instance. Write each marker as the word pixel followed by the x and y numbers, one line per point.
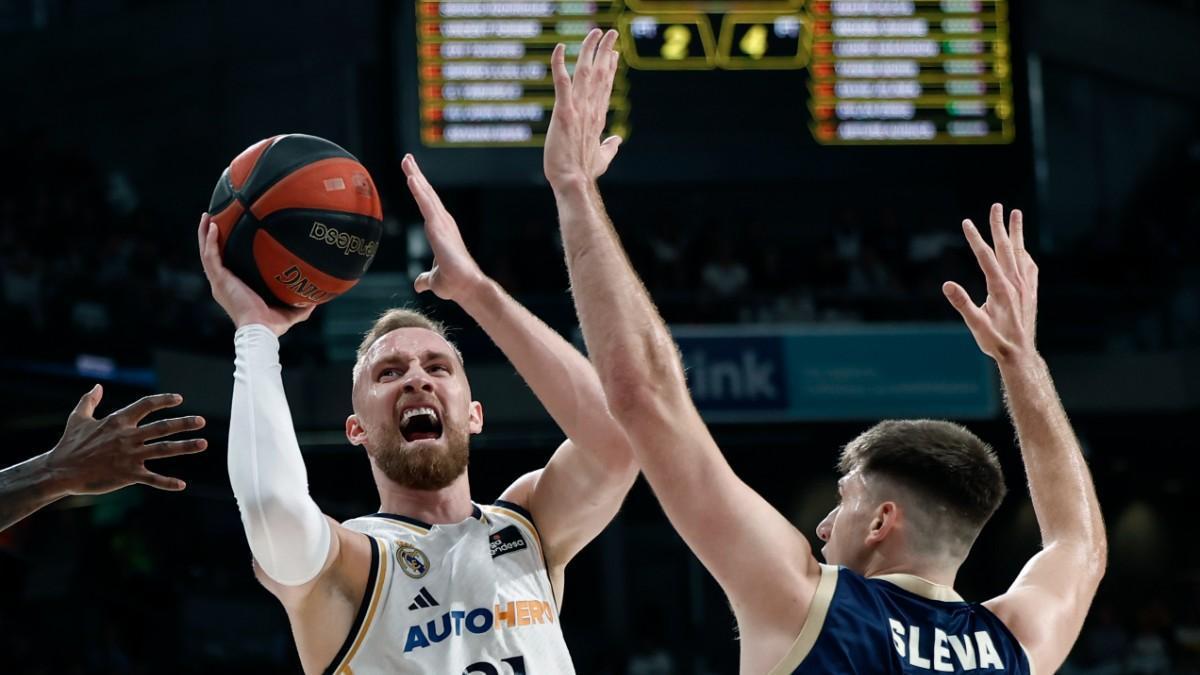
pixel 1095 551
pixel 643 378
pixel 1091 573
pixel 1099 559
pixel 1089 560
pixel 636 400
pixel 289 537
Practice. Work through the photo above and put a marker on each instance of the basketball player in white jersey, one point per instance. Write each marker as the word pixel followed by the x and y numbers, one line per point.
pixel 897 539
pixel 434 583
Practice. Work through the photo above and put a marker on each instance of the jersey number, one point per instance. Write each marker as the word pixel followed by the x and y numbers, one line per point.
pixel 517 663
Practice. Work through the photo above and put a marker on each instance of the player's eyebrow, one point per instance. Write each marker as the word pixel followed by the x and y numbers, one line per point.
pixel 404 357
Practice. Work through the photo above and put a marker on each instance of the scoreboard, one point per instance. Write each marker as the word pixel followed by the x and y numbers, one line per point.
pixel 871 72
pixel 484 67
pixel 921 71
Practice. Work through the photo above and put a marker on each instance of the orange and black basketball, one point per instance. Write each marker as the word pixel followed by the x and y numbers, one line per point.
pixel 299 219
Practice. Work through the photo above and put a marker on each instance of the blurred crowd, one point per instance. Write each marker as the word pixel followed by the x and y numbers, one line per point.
pixel 82 256
pixel 87 254
pixel 1158 637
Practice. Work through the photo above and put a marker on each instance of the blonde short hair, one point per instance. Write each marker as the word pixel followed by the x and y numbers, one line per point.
pixel 395 319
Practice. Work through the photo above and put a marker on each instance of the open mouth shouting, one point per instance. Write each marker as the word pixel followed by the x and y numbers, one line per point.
pixel 420 422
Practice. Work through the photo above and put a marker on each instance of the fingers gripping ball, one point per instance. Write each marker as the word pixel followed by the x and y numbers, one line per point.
pixel 298 219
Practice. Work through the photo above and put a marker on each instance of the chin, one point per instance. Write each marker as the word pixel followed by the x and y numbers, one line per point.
pixel 423 464
pixel 831 557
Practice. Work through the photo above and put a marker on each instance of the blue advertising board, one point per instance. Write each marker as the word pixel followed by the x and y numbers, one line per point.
pixel 787 373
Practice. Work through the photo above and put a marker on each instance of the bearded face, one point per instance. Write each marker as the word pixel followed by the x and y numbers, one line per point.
pixel 417 458
pixel 413 410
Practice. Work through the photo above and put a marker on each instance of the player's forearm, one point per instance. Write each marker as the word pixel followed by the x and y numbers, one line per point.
pixel 562 378
pixel 288 535
pixel 626 338
pixel 26 488
pixel 1064 497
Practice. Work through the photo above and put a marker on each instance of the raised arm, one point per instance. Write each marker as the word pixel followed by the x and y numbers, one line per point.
pixel 288 535
pixel 1046 605
pixel 95 457
pixel 763 563
pixel 582 486
pixel 314 566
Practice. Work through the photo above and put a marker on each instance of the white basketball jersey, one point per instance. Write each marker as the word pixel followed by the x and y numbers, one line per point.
pixel 472 597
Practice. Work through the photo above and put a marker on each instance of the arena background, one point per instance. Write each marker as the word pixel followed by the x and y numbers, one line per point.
pixel 118 115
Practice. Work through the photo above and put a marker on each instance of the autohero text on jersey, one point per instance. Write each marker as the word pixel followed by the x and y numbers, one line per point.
pixel 508 616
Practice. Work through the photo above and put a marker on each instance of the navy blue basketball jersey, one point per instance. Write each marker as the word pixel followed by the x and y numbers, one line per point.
pixel 898 623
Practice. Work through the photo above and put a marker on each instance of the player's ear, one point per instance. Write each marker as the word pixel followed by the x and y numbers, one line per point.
pixel 475 422
pixel 355 433
pixel 883 522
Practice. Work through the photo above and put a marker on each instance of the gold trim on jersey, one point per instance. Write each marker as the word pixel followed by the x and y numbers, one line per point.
pixel 380 578
pixel 817 610
pixel 922 587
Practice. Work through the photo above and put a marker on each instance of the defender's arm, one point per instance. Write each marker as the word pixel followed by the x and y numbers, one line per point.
pixel 738 536
pixel 1046 605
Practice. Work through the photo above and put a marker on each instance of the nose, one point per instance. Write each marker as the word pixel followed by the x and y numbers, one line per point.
pixel 417 380
pixel 825 527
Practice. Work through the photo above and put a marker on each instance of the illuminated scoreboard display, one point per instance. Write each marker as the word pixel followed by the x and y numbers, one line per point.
pixel 873 72
pixel 922 71
pixel 484 68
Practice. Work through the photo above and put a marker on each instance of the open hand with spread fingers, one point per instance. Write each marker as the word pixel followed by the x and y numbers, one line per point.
pixel 98 456
pixel 574 152
pixel 455 275
pixel 238 300
pixel 1005 325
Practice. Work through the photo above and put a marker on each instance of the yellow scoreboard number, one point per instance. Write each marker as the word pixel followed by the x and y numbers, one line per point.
pixel 685 41
pixel 763 42
pixel 674 41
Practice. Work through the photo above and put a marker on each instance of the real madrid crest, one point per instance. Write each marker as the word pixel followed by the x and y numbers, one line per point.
pixel 412 560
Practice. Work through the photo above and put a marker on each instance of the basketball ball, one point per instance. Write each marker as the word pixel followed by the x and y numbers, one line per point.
pixel 298 219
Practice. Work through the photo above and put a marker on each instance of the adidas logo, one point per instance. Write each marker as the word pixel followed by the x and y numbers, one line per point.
pixel 423 600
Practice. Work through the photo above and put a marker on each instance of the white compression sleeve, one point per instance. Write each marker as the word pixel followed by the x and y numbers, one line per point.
pixel 288 534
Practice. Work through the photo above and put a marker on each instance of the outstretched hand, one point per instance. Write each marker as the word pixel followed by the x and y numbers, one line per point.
pixel 1005 325
pixel 98 456
pixel 455 275
pixel 238 300
pixel 574 151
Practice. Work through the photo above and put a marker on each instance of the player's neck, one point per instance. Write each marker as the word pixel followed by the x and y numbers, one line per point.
pixel 938 572
pixel 451 504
